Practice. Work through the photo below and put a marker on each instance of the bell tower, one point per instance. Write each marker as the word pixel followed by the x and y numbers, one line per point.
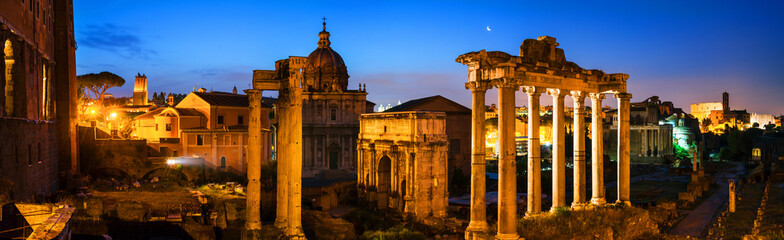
pixel 140 90
pixel 725 102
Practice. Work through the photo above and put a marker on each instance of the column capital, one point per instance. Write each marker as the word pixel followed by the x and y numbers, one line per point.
pixel 480 86
pixel 578 94
pixel 533 91
pixel 623 95
pixel 556 92
pixel 596 96
pixel 254 96
pixel 578 97
pixel 505 83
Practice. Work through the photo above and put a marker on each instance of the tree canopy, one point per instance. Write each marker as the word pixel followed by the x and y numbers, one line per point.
pixel 98 83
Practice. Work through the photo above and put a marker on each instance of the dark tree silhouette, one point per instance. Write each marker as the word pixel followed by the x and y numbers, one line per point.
pixel 98 83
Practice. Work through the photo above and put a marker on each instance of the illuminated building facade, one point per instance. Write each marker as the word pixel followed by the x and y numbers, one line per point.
pixel 211 125
pixel 720 115
pixel 330 112
pixel 140 90
pixel 762 119
pixel 38 148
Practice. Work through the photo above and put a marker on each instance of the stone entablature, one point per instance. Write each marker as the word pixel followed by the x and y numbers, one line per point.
pixel 540 64
pixel 540 68
pixel 403 162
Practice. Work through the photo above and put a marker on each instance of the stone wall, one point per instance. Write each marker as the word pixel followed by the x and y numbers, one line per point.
pixel 28 157
pixel 128 156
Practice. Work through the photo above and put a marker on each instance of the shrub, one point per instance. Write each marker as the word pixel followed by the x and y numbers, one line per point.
pixel 399 232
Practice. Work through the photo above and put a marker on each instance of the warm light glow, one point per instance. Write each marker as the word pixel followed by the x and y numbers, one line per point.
pixel 113 115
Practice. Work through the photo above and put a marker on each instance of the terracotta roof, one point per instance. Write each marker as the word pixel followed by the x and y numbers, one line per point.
pixel 409 105
pixel 150 114
pixel 235 128
pixel 188 112
pixel 224 99
pixel 180 111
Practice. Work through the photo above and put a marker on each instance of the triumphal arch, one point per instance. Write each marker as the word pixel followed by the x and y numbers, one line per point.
pixel 540 68
pixel 402 162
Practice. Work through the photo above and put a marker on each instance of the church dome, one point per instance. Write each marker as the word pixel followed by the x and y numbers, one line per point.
pixel 326 60
pixel 326 71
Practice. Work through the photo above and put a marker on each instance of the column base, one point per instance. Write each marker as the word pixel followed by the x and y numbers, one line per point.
pixel 598 201
pixel 533 214
pixel 251 234
pixel 282 225
pixel 508 236
pixel 295 234
pixel 579 205
pixel 266 232
pixel 555 209
pixel 476 231
pixel 252 226
pixel 624 202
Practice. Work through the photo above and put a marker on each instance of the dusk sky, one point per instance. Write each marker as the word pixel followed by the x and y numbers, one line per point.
pixel 682 51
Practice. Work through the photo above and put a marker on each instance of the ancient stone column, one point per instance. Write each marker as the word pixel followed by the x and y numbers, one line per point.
pixel 732 196
pixel 657 140
pixel 507 168
pixel 624 164
pixel 477 227
pixel 644 143
pixel 8 51
pixel 294 113
pixel 534 157
pixel 694 160
pixel 597 150
pixel 579 148
pixel 559 149
pixel 284 159
pixel 253 197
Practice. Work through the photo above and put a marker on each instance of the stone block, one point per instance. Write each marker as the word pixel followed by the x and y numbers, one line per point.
pixel 686 196
pixel 131 211
pixel 323 226
pixel 94 207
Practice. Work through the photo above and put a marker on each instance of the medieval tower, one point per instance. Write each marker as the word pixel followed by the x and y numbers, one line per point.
pixel 140 90
pixel 725 102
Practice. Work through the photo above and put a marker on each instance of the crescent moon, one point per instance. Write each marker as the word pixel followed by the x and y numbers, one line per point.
pixel 488 28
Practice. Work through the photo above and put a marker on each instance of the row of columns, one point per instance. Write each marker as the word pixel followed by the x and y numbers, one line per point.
pixel 654 142
pixel 507 193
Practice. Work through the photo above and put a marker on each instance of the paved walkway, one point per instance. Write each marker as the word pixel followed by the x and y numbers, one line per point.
pixel 698 219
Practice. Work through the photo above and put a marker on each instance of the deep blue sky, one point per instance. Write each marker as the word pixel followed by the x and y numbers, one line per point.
pixel 682 51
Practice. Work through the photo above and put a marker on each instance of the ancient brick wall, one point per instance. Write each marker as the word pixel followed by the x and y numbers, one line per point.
pixel 128 156
pixel 28 157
